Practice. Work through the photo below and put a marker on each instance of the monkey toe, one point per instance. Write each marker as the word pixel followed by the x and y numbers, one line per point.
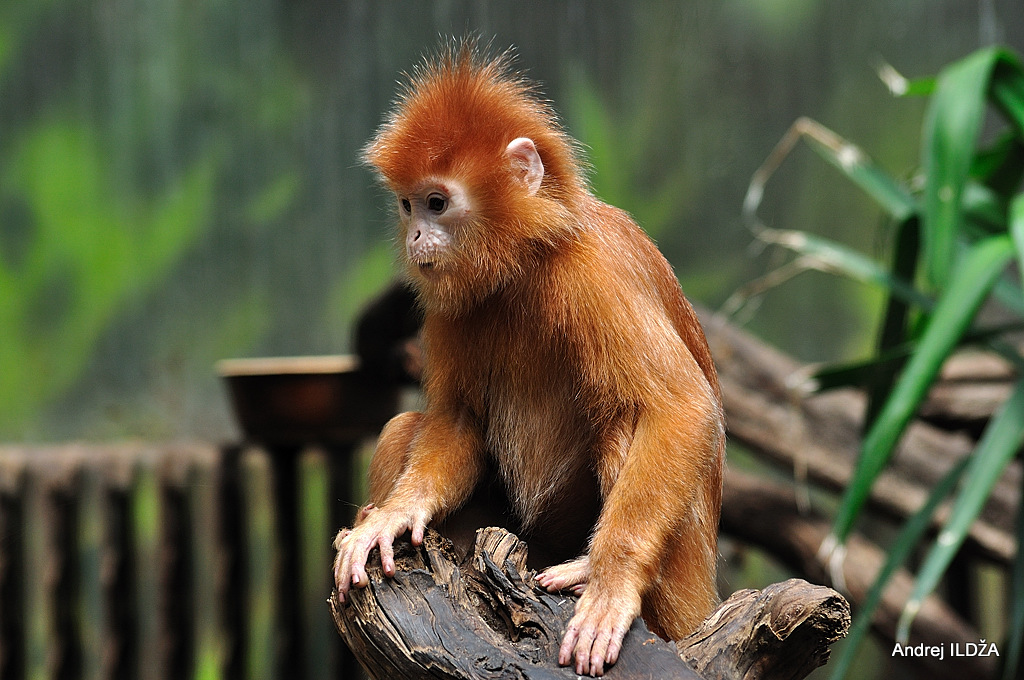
pixel 571 575
pixel 595 633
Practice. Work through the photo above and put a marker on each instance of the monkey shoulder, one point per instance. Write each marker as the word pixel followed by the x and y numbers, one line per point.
pixel 612 272
pixel 609 289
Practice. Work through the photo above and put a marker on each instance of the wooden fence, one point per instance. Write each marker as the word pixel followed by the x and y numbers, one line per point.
pixel 170 561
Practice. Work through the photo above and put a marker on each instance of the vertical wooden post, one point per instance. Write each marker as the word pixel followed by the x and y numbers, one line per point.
pixel 300 410
pixel 12 570
pixel 90 544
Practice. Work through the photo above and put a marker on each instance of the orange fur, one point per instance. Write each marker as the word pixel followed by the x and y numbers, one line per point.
pixel 560 348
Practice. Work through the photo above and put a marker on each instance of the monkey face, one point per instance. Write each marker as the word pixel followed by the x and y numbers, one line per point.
pixel 456 249
pixel 478 207
pixel 431 215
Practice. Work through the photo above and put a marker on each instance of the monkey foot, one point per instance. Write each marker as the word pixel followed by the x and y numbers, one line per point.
pixel 571 576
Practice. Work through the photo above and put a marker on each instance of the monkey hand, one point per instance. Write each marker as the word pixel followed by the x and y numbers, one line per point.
pixel 339 538
pixel 595 632
pixel 376 528
pixel 571 576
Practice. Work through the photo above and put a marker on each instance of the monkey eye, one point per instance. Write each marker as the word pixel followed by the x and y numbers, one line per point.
pixel 406 205
pixel 437 203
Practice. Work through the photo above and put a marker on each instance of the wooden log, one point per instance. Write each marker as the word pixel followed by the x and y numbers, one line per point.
pixel 762 513
pixel 971 387
pixel 483 617
pixel 782 632
pixel 818 437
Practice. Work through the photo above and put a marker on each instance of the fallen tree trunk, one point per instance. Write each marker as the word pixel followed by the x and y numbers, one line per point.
pixel 818 437
pixel 482 617
pixel 759 512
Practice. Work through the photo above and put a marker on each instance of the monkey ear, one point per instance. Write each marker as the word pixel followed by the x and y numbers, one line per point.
pixel 526 163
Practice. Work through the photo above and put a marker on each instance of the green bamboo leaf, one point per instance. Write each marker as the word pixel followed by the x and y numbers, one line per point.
pixel 951 128
pixel 1002 439
pixel 868 372
pixel 1017 231
pixel 971 283
pixel 1009 294
pixel 920 87
pixel 1001 165
pixel 1007 89
pixel 905 542
pixel 900 86
pixel 830 256
pixel 894 199
pixel 984 211
pixel 863 373
pixel 895 324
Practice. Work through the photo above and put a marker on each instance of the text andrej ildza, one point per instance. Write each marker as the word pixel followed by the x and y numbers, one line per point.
pixel 941 651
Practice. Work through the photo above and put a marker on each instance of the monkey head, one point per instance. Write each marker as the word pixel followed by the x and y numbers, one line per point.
pixel 482 174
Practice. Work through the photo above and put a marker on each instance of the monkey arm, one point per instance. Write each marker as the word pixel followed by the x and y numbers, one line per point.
pixel 445 461
pixel 660 491
pixel 656 518
pixel 437 456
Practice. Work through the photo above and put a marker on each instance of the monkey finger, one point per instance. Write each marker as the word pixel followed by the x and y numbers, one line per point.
pixel 583 650
pixel 419 528
pixel 353 558
pixel 342 567
pixel 578 641
pixel 340 538
pixel 549 581
pixel 560 578
pixel 614 647
pixel 342 578
pixel 338 571
pixel 359 577
pixel 387 556
pixel 565 652
pixel 599 651
pixel 565 576
pixel 365 511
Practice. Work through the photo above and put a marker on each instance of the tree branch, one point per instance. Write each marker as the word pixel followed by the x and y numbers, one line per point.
pixel 818 437
pixel 764 514
pixel 484 618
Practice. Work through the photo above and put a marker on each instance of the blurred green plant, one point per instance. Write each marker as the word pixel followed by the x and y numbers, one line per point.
pixel 160 184
pixel 71 254
pixel 619 149
pixel 616 149
pixel 958 226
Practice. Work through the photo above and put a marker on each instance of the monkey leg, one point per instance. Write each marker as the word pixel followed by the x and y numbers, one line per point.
pixel 685 590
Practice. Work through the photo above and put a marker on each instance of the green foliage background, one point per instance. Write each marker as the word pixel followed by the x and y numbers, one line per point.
pixel 179 183
pixel 179 179
pixel 958 224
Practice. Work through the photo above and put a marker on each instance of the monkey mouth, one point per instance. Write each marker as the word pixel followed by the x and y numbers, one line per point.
pixel 425 266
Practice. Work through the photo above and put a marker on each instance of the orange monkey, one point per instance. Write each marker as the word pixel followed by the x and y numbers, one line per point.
pixel 564 364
